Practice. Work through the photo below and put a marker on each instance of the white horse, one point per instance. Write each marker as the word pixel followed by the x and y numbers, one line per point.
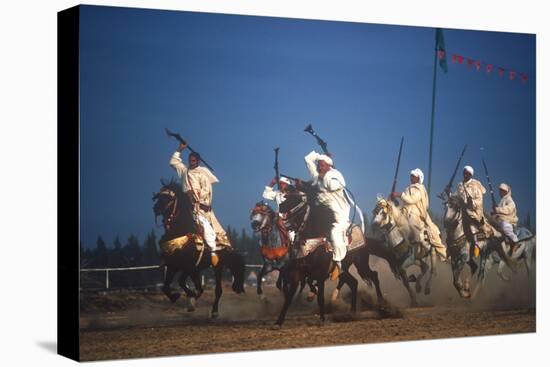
pixel 462 253
pixel 398 236
pixel 525 250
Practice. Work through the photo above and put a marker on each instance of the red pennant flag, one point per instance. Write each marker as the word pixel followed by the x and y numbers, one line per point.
pixel 478 65
pixel 460 59
pixel 470 63
pixel 500 72
pixel 523 78
pixel 454 58
pixel 489 68
pixel 512 74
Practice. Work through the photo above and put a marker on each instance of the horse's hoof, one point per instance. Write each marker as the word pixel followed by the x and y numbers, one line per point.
pixel 276 327
pixel 214 315
pixel 427 291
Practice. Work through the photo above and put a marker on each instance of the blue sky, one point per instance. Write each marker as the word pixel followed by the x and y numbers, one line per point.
pixel 237 86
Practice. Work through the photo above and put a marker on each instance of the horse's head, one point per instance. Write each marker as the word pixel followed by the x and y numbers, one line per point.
pixel 166 203
pixel 294 210
pixel 382 213
pixel 262 218
pixel 453 212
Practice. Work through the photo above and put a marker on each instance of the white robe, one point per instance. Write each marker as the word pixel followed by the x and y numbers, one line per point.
pixel 331 194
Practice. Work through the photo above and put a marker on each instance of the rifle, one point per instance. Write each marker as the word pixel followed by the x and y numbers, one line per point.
pixel 320 141
pixel 397 170
pixel 180 139
pixel 490 184
pixel 450 184
pixel 276 167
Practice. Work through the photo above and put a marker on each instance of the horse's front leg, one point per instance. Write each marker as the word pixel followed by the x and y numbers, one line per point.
pixel 218 291
pixel 321 299
pixel 352 283
pixel 428 286
pixel 405 280
pixel 170 273
pixel 290 288
pixel 259 280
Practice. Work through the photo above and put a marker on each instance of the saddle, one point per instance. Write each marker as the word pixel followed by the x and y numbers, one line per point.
pixel 356 240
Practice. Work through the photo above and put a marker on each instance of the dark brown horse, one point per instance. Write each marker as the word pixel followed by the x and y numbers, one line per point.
pixel 310 220
pixel 183 251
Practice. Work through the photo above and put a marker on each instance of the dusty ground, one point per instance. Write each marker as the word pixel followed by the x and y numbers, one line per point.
pixel 136 325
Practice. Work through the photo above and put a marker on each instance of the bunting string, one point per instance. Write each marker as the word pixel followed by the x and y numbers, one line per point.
pixel 478 65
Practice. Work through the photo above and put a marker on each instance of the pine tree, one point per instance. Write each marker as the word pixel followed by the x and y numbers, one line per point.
pixel 115 258
pixel 150 251
pixel 100 253
pixel 132 253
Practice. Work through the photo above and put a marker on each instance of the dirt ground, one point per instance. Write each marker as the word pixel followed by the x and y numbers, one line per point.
pixel 134 325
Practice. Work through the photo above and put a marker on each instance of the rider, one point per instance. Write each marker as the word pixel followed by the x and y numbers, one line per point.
pixel 506 215
pixel 279 196
pixel 470 192
pixel 330 183
pixel 416 203
pixel 197 184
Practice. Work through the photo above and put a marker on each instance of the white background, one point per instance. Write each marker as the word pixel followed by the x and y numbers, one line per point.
pixel 28 181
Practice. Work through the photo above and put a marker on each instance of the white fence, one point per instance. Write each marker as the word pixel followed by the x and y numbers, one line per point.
pixel 151 267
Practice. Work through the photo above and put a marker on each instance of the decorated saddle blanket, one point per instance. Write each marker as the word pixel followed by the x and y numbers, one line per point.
pixel 356 240
pixel 169 247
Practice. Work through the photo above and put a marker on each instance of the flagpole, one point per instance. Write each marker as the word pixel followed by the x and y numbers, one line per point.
pixel 433 113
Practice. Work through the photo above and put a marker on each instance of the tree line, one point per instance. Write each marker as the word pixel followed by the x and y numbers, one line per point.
pixel 132 253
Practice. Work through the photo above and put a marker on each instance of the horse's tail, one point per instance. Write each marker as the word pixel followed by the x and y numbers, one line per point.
pixel 235 263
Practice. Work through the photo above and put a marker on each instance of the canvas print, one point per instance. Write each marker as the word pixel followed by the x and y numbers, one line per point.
pixel 258 183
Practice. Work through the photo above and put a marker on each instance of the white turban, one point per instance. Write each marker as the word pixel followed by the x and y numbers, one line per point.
pixel 285 180
pixel 326 158
pixel 469 169
pixel 504 187
pixel 418 173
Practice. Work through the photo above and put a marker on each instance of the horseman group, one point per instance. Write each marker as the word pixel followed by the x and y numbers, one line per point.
pixel 407 233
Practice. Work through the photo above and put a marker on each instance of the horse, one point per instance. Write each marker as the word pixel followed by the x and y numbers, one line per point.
pixel 310 221
pixel 460 249
pixel 184 250
pixel 525 250
pixel 262 220
pixel 393 224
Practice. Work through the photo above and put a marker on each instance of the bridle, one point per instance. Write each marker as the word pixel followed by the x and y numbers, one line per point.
pixel 290 216
pixel 383 205
pixel 170 211
pixel 266 226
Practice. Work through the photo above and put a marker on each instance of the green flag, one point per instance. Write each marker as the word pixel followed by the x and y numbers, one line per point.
pixel 440 49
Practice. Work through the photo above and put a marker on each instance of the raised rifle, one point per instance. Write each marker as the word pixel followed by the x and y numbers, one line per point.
pixel 180 139
pixel 397 171
pixel 450 184
pixel 493 200
pixel 276 167
pixel 320 141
